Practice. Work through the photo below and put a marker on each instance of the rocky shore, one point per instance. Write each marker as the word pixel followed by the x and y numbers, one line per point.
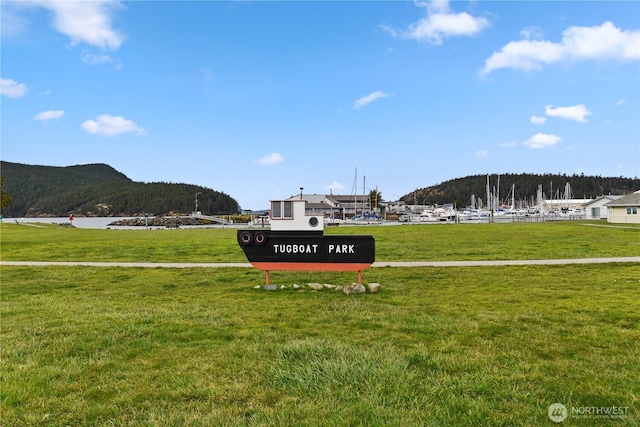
pixel 169 222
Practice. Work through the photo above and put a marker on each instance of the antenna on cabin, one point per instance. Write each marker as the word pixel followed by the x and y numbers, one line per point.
pixel 301 188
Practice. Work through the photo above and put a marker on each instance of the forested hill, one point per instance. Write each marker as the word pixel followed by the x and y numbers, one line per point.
pixel 460 190
pixel 100 190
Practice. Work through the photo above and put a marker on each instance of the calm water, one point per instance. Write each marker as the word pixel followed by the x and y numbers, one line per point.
pixel 102 223
pixel 93 222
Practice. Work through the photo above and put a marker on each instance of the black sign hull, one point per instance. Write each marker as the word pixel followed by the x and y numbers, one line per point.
pixel 303 250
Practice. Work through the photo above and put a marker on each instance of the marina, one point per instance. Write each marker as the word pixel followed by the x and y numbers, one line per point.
pixel 464 216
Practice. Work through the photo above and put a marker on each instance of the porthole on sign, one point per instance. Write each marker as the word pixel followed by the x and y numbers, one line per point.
pixel 260 238
pixel 246 238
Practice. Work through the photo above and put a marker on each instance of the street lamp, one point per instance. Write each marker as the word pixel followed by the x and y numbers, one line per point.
pixel 196 213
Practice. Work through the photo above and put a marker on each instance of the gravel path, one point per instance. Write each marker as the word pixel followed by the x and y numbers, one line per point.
pixel 375 264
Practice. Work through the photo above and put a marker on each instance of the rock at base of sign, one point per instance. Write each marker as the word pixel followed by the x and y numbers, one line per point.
pixel 373 287
pixel 354 288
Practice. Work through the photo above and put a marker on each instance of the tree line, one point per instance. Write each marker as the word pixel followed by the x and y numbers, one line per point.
pixel 459 191
pixel 100 190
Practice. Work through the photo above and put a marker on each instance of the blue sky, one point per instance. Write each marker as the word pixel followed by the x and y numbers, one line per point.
pixel 257 99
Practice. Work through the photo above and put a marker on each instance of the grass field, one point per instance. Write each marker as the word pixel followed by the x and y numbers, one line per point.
pixel 470 346
pixel 437 242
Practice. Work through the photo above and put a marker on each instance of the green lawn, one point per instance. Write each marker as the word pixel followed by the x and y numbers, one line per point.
pixel 437 242
pixel 472 346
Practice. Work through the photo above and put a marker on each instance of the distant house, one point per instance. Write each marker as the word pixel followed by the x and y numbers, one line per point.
pixel 596 208
pixel 625 209
pixel 351 204
pixel 398 206
pixel 318 203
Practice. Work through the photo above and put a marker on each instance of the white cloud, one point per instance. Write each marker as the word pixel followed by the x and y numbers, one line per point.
pixel 93 59
pixel 440 23
pixel 542 140
pixel 334 186
pixel 525 55
pixel 100 59
pixel 49 115
pixel 271 159
pixel 537 120
pixel 12 89
pixel 604 42
pixel 532 33
pixel 369 98
pixel 508 144
pixel 482 153
pixel 576 112
pixel 86 21
pixel 621 102
pixel 107 125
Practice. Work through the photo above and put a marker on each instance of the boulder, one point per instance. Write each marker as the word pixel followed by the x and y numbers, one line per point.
pixel 354 288
pixel 373 287
pixel 316 286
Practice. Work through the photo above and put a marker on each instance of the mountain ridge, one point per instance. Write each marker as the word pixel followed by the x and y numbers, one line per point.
pixel 97 189
pixel 460 191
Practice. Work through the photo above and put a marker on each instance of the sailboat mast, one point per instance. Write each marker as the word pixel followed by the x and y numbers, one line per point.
pixel 513 196
pixel 364 191
pixel 498 200
pixel 488 194
pixel 354 188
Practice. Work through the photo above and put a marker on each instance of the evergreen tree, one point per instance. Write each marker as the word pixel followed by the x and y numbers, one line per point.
pixel 5 198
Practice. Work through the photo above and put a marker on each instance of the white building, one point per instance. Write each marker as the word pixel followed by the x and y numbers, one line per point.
pixel 596 208
pixel 335 205
pixel 625 210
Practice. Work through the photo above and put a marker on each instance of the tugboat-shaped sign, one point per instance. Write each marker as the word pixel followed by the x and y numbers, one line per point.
pixel 296 241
